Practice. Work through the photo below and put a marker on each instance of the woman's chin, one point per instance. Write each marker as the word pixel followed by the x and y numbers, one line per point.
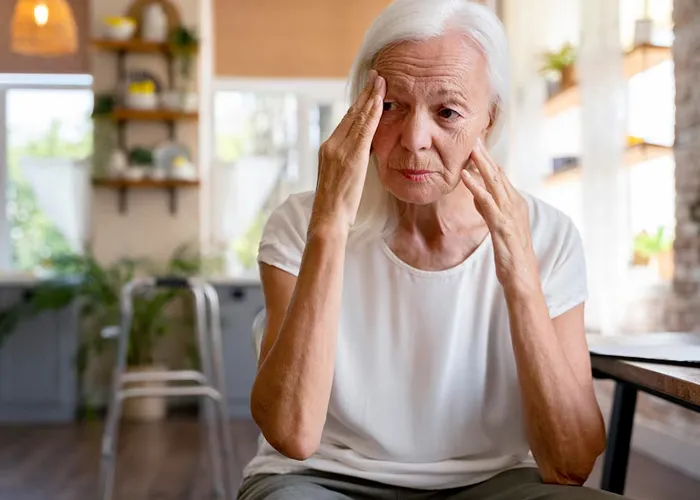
pixel 415 193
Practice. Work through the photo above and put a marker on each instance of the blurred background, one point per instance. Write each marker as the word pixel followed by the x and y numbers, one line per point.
pixel 156 136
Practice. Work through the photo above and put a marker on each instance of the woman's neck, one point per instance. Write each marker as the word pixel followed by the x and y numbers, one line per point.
pixel 452 215
pixel 440 235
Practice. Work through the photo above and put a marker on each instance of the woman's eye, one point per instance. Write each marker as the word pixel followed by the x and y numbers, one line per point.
pixel 448 113
pixel 389 106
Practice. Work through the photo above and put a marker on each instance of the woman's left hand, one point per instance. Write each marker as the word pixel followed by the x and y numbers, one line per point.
pixel 507 217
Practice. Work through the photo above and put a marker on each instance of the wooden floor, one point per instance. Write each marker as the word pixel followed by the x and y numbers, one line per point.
pixel 163 461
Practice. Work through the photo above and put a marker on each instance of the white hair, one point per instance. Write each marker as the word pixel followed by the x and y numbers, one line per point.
pixel 416 20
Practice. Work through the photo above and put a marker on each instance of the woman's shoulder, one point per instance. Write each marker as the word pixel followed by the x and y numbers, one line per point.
pixel 560 254
pixel 292 215
pixel 284 236
pixel 553 231
pixel 297 206
pixel 545 219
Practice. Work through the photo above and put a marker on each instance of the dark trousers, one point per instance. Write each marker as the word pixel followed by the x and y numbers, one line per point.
pixel 516 484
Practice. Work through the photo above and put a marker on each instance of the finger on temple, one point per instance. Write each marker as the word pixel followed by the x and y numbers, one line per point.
pixel 369 111
pixel 367 127
pixel 346 123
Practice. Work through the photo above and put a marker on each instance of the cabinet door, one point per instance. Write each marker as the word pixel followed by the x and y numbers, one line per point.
pixel 37 366
pixel 239 306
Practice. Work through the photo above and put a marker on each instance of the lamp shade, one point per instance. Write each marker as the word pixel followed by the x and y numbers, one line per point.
pixel 44 28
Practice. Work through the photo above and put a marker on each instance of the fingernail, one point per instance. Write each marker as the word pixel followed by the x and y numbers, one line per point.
pixel 378 82
pixel 371 76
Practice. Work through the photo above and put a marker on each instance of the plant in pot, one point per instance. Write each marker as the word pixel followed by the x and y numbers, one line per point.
pixel 655 249
pixel 95 290
pixel 140 162
pixel 559 67
pixel 183 44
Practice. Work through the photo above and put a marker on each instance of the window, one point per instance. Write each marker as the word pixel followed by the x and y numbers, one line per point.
pixel 45 144
pixel 266 139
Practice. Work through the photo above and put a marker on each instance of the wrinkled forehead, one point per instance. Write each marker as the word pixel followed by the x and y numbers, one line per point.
pixel 440 65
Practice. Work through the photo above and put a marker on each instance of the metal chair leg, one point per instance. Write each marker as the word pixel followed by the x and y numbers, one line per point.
pixel 109 440
pixel 208 406
pixel 220 382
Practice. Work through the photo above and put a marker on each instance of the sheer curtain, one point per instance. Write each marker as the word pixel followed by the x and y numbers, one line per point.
pixel 604 183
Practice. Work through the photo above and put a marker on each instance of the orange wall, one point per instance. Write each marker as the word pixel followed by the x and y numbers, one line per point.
pixel 15 63
pixel 290 38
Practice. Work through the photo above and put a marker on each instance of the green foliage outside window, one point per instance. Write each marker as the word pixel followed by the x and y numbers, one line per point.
pixel 34 237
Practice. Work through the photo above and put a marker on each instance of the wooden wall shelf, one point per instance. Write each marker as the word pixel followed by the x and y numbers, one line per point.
pixel 135 45
pixel 564 176
pixel 563 101
pixel 124 185
pixel 124 114
pixel 644 57
pixel 645 151
pixel 633 155
pixel 635 61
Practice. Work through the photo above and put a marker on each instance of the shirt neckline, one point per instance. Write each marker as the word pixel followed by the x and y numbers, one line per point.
pixel 468 262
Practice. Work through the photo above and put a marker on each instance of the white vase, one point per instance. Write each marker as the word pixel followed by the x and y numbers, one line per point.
pixel 154 27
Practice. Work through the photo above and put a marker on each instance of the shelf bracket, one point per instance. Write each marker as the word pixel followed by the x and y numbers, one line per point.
pixel 172 200
pixel 122 200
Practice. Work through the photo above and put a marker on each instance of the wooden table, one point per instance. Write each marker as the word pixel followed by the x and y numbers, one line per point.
pixel 677 384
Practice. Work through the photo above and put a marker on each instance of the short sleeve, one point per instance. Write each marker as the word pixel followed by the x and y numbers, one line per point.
pixel 284 236
pixel 565 284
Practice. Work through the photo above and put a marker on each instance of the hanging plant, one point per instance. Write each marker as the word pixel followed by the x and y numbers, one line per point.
pixel 104 105
pixel 183 44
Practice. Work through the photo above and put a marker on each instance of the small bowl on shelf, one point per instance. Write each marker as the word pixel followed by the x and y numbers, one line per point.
pixel 119 28
pixel 134 173
pixel 142 101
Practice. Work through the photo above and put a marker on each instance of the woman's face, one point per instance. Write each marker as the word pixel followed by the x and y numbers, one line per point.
pixel 436 107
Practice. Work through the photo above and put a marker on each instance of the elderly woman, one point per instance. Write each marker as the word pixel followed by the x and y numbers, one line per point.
pixel 425 334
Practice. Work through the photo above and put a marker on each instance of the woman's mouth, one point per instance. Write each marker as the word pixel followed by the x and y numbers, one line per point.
pixel 416 175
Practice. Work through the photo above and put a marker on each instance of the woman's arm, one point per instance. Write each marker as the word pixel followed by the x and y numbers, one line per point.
pixel 292 388
pixel 564 424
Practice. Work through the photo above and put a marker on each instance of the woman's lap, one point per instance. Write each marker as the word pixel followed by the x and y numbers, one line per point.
pixel 525 483
pixel 312 485
pixel 516 484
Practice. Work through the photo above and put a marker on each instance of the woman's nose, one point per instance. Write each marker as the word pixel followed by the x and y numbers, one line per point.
pixel 415 135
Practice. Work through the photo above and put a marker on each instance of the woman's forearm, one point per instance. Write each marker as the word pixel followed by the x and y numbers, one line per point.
pixel 563 420
pixel 292 388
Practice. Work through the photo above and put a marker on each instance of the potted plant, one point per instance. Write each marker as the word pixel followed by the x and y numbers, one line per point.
pixel 183 44
pixel 140 161
pixel 96 289
pixel 560 66
pixel 655 249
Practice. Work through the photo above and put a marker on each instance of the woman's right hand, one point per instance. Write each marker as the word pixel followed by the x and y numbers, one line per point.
pixel 344 157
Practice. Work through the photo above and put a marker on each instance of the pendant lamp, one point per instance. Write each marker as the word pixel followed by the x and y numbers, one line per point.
pixel 44 28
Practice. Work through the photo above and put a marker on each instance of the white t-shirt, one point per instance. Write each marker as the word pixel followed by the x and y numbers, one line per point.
pixel 425 393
